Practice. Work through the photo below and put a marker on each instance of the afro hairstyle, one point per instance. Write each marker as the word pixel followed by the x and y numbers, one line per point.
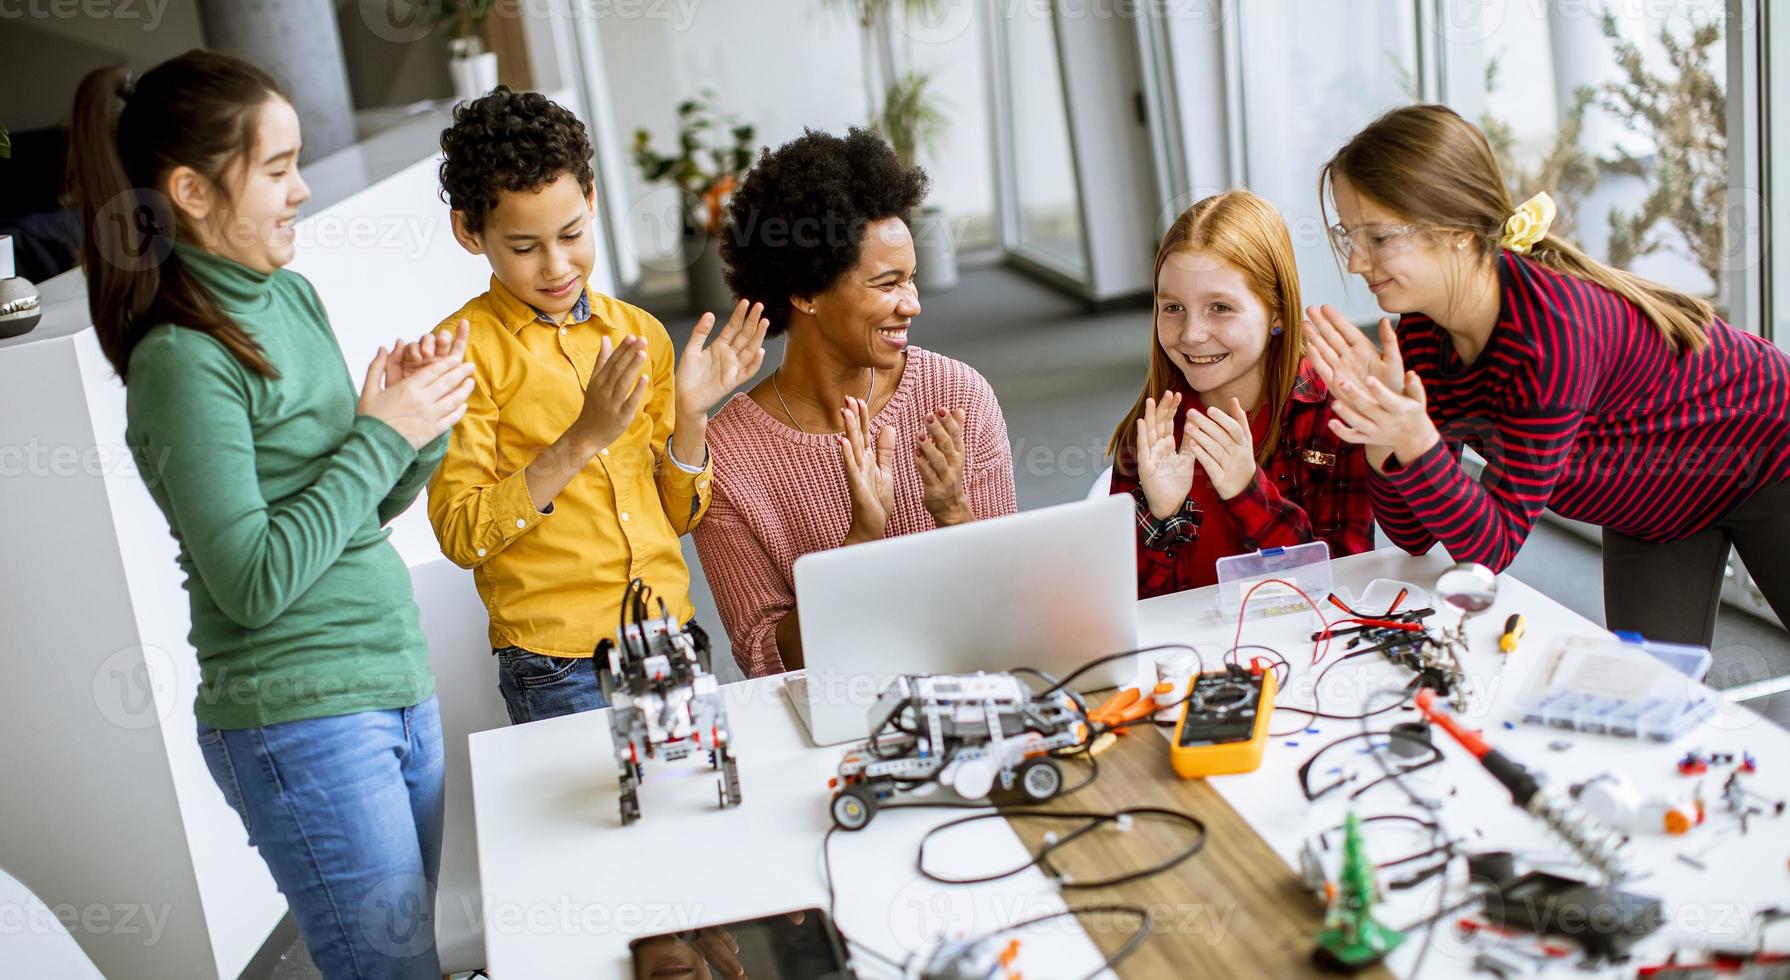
pixel 797 222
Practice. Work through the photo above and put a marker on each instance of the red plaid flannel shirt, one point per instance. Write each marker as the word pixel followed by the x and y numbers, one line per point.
pixel 1314 487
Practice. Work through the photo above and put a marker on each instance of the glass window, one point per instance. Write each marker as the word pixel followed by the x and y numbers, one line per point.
pixel 1619 111
pixel 1315 72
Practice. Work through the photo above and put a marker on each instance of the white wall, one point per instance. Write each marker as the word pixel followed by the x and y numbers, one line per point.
pixel 90 820
pixel 36 944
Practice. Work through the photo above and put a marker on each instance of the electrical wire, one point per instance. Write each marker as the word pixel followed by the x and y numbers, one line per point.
pixel 1318 684
pixel 1146 923
pixel 1131 944
pixel 1433 757
pixel 1280 662
pixel 1091 822
pixel 1243 613
pixel 1073 675
pixel 1437 835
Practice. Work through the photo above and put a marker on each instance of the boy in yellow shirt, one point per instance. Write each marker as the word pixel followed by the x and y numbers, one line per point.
pixel 580 460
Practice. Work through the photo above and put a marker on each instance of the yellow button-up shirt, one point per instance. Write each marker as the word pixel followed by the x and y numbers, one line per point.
pixel 553 582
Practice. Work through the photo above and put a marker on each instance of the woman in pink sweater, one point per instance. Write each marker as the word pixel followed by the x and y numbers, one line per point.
pixel 857 435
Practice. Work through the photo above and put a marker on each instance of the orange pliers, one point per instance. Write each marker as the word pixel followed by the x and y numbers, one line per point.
pixel 1131 704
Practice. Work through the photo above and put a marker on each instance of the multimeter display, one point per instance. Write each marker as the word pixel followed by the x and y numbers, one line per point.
pixel 1220 711
pixel 1223 726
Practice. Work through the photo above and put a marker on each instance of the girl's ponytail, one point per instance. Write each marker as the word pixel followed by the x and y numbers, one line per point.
pixel 119 293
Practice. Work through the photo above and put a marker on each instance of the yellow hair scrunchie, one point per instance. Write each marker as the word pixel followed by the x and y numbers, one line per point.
pixel 1529 224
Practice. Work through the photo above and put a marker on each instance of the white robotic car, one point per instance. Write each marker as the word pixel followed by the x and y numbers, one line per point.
pixel 977 734
pixel 665 703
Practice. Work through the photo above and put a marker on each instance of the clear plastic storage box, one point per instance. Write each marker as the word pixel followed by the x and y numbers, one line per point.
pixel 1623 686
pixel 1306 566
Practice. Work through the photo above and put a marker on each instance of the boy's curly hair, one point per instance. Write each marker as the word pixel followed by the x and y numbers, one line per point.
pixel 797 222
pixel 509 141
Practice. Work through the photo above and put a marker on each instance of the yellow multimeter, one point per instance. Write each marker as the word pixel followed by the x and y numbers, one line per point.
pixel 1223 726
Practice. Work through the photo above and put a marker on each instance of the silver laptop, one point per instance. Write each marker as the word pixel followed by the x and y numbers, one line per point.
pixel 1051 589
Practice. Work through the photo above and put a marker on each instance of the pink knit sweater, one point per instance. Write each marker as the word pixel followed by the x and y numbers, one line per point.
pixel 780 494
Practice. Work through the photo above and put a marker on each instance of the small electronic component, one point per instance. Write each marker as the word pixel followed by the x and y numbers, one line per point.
pixel 665 703
pixel 983 958
pixel 1352 938
pixel 1548 904
pixel 1745 804
pixel 1405 638
pixel 1223 726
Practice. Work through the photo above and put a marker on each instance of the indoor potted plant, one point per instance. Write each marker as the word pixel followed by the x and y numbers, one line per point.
pixel 712 154
pixel 473 68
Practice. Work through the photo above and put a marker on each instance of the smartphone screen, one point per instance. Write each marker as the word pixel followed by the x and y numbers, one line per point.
pixel 798 945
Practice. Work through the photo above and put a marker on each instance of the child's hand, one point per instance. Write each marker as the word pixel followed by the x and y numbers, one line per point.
pixel 1222 444
pixel 938 455
pixel 1375 415
pixel 1164 472
pixel 613 395
pixel 869 463
pixel 408 357
pixel 419 406
pixel 1339 353
pixel 705 376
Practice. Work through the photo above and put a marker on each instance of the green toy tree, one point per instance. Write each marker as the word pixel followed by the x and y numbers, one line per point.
pixel 1351 939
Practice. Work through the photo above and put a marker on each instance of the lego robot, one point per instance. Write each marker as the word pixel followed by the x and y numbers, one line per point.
pixel 974 733
pixel 665 704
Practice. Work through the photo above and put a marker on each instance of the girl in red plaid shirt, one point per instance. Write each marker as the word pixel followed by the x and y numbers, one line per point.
pixel 1228 449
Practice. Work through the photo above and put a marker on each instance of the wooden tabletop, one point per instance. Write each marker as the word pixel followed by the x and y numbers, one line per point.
pixel 1234 909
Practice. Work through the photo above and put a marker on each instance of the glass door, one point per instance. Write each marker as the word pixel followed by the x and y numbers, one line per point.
pixel 1042 223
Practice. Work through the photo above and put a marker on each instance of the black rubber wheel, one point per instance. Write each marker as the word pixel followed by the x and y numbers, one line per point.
pixel 853 807
pixel 1040 779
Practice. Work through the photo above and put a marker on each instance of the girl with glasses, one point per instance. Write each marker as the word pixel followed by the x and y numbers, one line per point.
pixel 1610 398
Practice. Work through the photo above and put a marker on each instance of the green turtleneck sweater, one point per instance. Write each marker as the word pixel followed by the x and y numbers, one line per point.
pixel 277 493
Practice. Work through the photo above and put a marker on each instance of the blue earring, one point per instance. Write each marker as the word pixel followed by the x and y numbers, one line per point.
pixel 1275 331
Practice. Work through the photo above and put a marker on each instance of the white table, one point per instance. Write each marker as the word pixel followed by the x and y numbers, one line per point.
pixel 565 887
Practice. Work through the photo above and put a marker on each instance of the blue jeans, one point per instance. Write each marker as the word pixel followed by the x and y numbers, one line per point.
pixel 537 686
pixel 346 811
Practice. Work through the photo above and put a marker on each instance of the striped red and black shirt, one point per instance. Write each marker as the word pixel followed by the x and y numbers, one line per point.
pixel 1578 404
pixel 1313 488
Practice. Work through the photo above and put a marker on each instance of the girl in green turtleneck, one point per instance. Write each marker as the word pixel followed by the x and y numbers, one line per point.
pixel 316 710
